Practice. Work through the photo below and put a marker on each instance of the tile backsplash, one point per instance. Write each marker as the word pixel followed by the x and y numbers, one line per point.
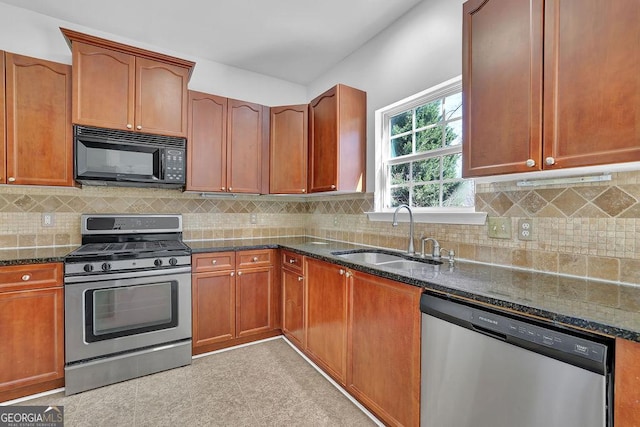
pixel 584 230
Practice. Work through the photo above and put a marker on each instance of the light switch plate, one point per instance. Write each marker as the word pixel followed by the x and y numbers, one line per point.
pixel 499 228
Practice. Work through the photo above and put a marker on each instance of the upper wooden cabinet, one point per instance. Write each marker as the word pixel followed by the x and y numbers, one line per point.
pixel 37 98
pixel 227 145
pixel 3 129
pixel 580 54
pixel 337 140
pixel 289 146
pixel 122 87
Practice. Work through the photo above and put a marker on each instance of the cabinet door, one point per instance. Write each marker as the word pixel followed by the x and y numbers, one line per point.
pixel 3 132
pixel 326 311
pixel 103 87
pixel 627 384
pixel 32 337
pixel 289 136
pixel 293 306
pixel 323 143
pixel 384 332
pixel 502 86
pixel 213 307
pixel 39 138
pixel 207 143
pixel 244 147
pixel 254 301
pixel 591 81
pixel 161 98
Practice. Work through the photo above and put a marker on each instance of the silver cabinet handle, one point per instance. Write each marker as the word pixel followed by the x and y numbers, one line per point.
pixel 129 126
pixel 26 277
pixel 550 161
pixel 255 259
pixel 300 278
pixel 11 179
pixel 292 261
pixel 232 274
pixel 214 261
pixel 304 190
pixel 348 274
pixel 341 272
pixel 139 127
pixel 333 187
pixel 239 273
pixel 530 163
pixel 230 189
pixel 222 188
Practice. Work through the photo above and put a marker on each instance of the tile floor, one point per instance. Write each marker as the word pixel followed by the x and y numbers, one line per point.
pixel 266 384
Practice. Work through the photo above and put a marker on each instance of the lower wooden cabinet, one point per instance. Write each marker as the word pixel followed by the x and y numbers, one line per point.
pixel 235 299
pixel 384 347
pixel 326 317
pixel 292 277
pixel 31 329
pixel 627 384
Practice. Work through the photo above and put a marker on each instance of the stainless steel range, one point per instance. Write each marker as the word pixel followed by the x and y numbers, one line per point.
pixel 127 300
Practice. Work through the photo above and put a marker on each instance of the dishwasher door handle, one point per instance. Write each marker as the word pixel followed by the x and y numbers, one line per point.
pixel 489 332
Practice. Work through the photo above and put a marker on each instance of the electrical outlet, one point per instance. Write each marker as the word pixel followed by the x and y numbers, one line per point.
pixel 253 218
pixel 499 228
pixel 525 229
pixel 335 221
pixel 48 220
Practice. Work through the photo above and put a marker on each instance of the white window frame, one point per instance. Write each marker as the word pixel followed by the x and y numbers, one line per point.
pixel 442 215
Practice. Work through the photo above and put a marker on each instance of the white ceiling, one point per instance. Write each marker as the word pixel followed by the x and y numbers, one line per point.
pixel 295 40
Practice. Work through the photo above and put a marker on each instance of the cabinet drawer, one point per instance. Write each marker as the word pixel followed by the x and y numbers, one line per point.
pixel 293 262
pixel 32 276
pixel 259 258
pixel 213 261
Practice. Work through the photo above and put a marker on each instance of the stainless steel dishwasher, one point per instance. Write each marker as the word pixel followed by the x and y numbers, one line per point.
pixel 486 368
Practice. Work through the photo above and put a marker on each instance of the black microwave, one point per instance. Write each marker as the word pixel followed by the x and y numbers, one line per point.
pixel 121 158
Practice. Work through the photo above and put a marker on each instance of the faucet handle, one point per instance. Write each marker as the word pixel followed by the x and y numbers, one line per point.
pixel 451 255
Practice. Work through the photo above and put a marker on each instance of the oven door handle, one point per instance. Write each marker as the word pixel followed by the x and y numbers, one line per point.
pixel 127 275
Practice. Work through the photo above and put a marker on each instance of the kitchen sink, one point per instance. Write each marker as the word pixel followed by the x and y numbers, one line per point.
pixel 385 259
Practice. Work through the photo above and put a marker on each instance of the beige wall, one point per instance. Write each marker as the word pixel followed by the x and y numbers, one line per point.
pixel 585 230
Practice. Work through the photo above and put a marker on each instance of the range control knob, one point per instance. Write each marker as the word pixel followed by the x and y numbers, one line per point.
pixel 88 268
pixel 106 266
pixel 157 262
pixel 173 261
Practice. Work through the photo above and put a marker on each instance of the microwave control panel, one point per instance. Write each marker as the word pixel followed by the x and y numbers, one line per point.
pixel 174 166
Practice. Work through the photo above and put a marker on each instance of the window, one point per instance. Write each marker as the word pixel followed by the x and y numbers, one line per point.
pixel 419 153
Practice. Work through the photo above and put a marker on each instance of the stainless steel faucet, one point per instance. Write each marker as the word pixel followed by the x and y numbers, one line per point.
pixel 435 253
pixel 410 249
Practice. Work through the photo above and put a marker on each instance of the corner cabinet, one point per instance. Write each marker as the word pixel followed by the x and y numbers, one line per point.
pixel 289 148
pixel 293 311
pixel 37 134
pixel 627 384
pixel 122 87
pixel 32 332
pixel 539 94
pixel 337 140
pixel 235 299
pixel 228 145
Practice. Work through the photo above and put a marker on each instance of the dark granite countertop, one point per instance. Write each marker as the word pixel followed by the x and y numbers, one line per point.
pixel 603 307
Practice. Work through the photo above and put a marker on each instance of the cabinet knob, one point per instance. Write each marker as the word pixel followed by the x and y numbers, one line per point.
pixel 550 161
pixel 230 189
pixel 129 126
pixel 26 277
pixel 300 278
pixel 530 163
pixel 239 273
pixel 341 272
pixel 222 188
pixel 232 274
pixel 348 274
pixel 292 261
pixel 333 187
pixel 11 179
pixel 139 127
pixel 255 259
pixel 214 261
pixel 304 190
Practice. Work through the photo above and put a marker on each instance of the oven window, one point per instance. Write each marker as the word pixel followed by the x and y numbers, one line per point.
pixel 129 310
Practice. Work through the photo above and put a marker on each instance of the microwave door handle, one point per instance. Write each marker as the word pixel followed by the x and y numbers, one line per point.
pixel 162 161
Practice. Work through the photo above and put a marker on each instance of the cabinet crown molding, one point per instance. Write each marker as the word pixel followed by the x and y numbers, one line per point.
pixel 75 36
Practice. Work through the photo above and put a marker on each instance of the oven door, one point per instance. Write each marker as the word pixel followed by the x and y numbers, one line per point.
pixel 107 317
